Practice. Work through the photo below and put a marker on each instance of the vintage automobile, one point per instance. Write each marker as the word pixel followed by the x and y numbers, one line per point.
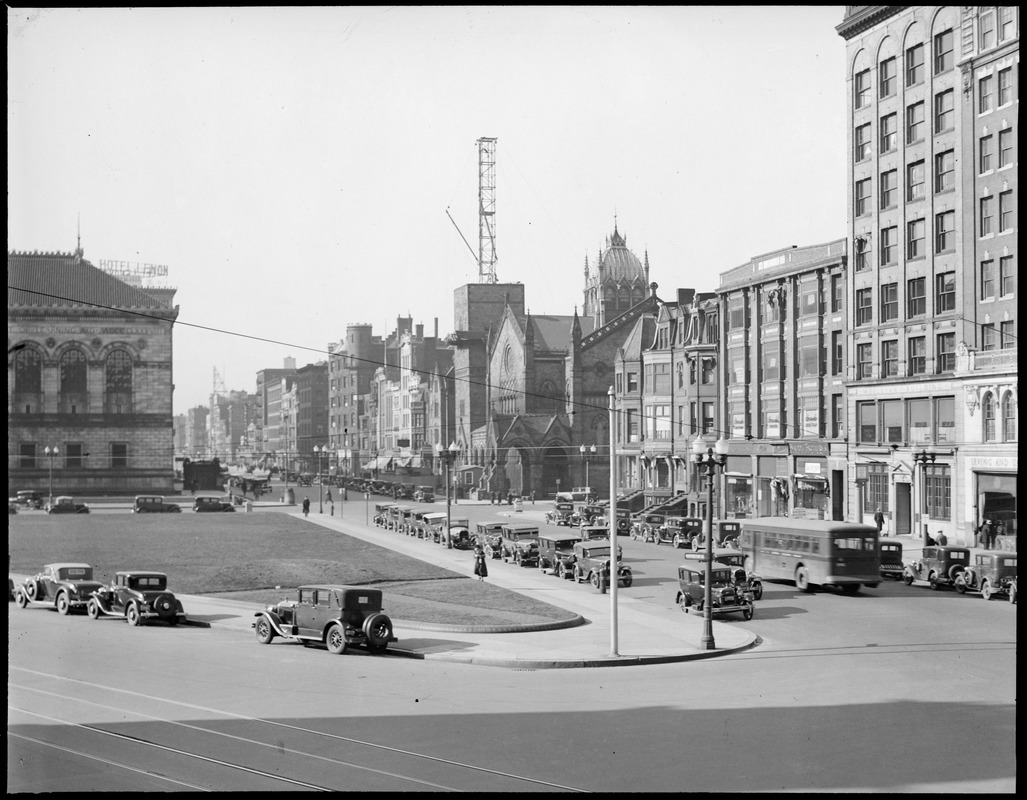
pixel 623 521
pixel 460 533
pixel 578 494
pixel 728 590
pixel 560 514
pixel 65 586
pixel 138 596
pixel 646 527
pixel 586 514
pixel 891 560
pixel 29 498
pixel 597 533
pixel 520 543
pixel 203 503
pixel 424 494
pixel 556 552
pixel 991 574
pixel 725 534
pixel 154 504
pixel 333 615
pixel 404 491
pixel 731 558
pixel 381 514
pixel 680 531
pixel 67 505
pixel 592 564
pixel 939 566
pixel 490 537
pixel 12 507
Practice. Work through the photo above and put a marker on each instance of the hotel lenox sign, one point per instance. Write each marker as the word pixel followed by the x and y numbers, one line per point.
pixel 137 268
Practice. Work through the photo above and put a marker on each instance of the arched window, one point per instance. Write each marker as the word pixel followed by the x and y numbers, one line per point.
pixel 1008 418
pixel 28 382
pixel 73 381
pixel 119 383
pixel 988 414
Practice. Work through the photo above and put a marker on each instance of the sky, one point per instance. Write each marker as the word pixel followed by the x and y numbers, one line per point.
pixel 293 167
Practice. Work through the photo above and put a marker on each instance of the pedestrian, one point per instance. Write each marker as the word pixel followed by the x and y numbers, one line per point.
pixel 987 531
pixel 481 568
pixel 942 539
pixel 306 506
pixel 192 486
pixel 533 497
pixel 1000 530
pixel 509 498
pixel 879 520
pixel 328 496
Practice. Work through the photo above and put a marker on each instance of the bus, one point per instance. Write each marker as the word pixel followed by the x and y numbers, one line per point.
pixel 811 552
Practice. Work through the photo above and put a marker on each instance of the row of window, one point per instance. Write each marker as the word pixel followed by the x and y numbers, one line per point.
pixel 913 421
pixel 71 455
pixel 28 382
pixel 937 485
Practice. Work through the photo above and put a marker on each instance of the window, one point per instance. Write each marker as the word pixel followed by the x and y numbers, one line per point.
pixel 915 181
pixel 866 422
pixel 889 248
pixel 632 381
pixel 944 111
pixel 691 371
pixel 837 353
pixel 1005 211
pixel 916 297
pixel 876 494
pixel 887 73
pixel 1005 148
pixel 986 154
pixel 891 412
pixel 945 419
pixel 914 122
pixel 118 383
pixel 1006 336
pixel 915 233
pixel 28 376
pixel 989 336
pixel 987 215
pixel 837 293
pixel 864 361
pixel 943 51
pixel 889 132
pixel 985 94
pixel 737 316
pixel 837 415
pixel 939 491
pixel 864 306
pixel 73 455
pixel 918 420
pixel 944 171
pixel 862 253
pixel 119 454
pixel 1008 418
pixel 632 425
pixel 945 231
pixel 707 418
pixel 917 355
pixel 27 455
pixel 1006 276
pixel 889 301
pixel 709 367
pixel 863 142
pixel 861 89
pixel 771 368
pixel 915 65
pixel 889 359
pixel 889 188
pixel 1006 22
pixel 946 352
pixel 986 28
pixel 988 280
pixel 1005 86
pixel 945 296
pixel 810 305
pixel 809 358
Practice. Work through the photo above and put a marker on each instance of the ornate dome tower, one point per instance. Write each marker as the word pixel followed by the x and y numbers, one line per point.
pixel 618 282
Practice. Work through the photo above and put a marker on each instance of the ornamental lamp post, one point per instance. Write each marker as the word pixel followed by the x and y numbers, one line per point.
pixel 51 453
pixel 707 459
pixel 585 452
pixel 924 458
pixel 447 455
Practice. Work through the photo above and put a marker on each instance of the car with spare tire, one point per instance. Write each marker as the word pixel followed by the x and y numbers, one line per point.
pixel 138 596
pixel 65 586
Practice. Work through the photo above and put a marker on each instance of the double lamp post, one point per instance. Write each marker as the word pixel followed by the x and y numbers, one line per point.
pixel 707 459
pixel 447 455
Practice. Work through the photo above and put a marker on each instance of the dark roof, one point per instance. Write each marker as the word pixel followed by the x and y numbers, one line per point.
pixel 48 280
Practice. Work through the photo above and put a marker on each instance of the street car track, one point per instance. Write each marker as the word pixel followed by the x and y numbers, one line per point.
pixel 459 767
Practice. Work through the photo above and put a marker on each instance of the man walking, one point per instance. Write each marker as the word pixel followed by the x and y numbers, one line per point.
pixel 879 520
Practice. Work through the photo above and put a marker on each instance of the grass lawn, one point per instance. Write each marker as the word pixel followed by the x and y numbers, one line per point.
pixel 247 556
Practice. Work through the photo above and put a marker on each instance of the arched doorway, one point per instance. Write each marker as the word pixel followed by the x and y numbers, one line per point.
pixel 555 470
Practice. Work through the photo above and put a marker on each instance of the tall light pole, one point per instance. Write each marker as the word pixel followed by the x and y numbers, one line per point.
pixel 51 453
pixel 924 458
pixel 707 459
pixel 447 455
pixel 612 523
pixel 319 450
pixel 585 452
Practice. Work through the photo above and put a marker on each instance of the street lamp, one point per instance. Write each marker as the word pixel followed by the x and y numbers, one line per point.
pixel 320 451
pixel 707 459
pixel 447 455
pixel 585 452
pixel 51 453
pixel 923 458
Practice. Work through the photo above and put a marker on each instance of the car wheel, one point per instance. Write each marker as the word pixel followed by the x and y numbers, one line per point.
pixel 677 541
pixel 32 590
pixel 541 565
pixel 63 605
pixel 986 591
pixel 932 579
pixel 21 599
pixel 907 578
pixel 757 590
pixel 578 577
pixel 960 585
pixel 802 579
pixel 517 559
pixel 594 579
pixel 93 609
pixel 133 616
pixel 378 630
pixel 336 640
pixel 627 580
pixel 562 572
pixel 695 544
pixel 747 613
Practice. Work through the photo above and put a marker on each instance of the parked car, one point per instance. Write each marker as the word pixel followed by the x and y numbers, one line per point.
pixel 65 586
pixel 646 527
pixel 597 533
pixel 381 514
pixel 891 560
pixel 939 566
pixel 12 507
pixel 680 531
pixel 560 514
pixel 725 534
pixel 520 544
pixel 424 494
pixel 728 592
pixel 154 504
pixel 592 563
pixel 212 502
pixel 67 505
pixel 587 514
pixel 730 557
pixel 490 536
pixel 991 574
pixel 333 615
pixel 29 498
pixel 556 552
pixel 138 596
pixel 404 491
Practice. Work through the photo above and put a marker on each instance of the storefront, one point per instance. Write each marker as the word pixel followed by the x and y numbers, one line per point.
pixel 811 490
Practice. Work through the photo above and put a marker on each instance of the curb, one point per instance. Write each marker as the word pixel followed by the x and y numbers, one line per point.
pixel 524 627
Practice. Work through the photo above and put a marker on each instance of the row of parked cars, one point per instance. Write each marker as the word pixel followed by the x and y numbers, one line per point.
pixel 31 499
pixel 992 572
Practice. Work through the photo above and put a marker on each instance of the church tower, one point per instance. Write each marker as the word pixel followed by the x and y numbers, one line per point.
pixel 618 282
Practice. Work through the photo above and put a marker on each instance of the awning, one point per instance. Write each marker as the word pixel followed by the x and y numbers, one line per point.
pixel 811 483
pixel 415 461
pixel 404 461
pixel 369 464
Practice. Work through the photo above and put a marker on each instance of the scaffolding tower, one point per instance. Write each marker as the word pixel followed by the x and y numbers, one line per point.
pixel 487 210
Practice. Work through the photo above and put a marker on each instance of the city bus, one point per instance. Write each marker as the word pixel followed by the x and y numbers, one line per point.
pixel 811 552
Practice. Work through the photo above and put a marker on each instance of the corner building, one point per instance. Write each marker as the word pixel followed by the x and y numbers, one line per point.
pixel 933 107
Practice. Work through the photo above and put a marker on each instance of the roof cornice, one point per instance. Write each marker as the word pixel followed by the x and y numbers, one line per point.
pixel 859 19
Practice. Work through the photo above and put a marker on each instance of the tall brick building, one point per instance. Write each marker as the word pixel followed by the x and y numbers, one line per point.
pixel 89 373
